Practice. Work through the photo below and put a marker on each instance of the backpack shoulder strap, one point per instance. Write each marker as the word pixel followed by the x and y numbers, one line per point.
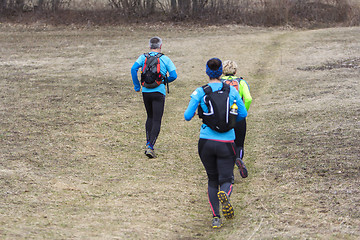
pixel 147 55
pixel 225 87
pixel 207 89
pixel 159 55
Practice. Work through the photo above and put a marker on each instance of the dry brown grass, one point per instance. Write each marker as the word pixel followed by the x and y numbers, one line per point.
pixel 72 131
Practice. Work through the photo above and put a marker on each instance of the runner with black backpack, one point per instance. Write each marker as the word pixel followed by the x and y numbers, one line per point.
pixel 217 103
pixel 154 68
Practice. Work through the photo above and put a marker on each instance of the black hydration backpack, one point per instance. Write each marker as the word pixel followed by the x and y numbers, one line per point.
pixel 151 76
pixel 218 116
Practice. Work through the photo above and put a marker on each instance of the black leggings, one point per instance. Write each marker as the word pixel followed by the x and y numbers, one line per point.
pixel 240 132
pixel 154 104
pixel 218 159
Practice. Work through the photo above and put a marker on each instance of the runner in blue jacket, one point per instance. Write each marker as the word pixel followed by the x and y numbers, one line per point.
pixel 217 150
pixel 154 98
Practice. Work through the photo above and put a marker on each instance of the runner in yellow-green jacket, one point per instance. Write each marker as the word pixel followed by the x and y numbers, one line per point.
pixel 229 71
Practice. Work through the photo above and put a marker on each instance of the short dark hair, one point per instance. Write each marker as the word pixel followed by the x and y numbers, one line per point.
pixel 214 64
pixel 155 43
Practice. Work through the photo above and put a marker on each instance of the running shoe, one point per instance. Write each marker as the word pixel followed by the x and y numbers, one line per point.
pixel 227 208
pixel 150 153
pixel 216 222
pixel 242 168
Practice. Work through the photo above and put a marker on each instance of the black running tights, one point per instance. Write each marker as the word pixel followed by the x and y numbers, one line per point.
pixel 218 159
pixel 240 132
pixel 154 104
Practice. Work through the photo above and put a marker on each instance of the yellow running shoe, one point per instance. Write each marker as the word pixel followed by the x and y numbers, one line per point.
pixel 227 208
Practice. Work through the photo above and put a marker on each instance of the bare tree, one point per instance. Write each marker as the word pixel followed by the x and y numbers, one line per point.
pixel 184 7
pixel 149 6
pixel 12 4
pixel 173 6
pixel 39 5
pixel 195 7
pixel 20 4
pixel 55 5
pixel 3 4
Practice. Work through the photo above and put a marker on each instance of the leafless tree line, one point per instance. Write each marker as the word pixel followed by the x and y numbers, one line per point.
pixel 24 5
pixel 250 12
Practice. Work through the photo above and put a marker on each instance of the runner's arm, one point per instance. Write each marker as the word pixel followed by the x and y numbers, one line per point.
pixel 134 70
pixel 191 109
pixel 242 112
pixel 172 76
pixel 246 94
pixel 170 68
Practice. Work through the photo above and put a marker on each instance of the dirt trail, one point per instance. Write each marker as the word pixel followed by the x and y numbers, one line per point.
pixel 260 137
pixel 305 171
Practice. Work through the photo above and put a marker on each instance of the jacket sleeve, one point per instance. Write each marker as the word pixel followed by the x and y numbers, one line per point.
pixel 134 70
pixel 245 94
pixel 172 76
pixel 191 109
pixel 242 112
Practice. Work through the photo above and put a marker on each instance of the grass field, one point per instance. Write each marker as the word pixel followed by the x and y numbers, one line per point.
pixel 72 135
